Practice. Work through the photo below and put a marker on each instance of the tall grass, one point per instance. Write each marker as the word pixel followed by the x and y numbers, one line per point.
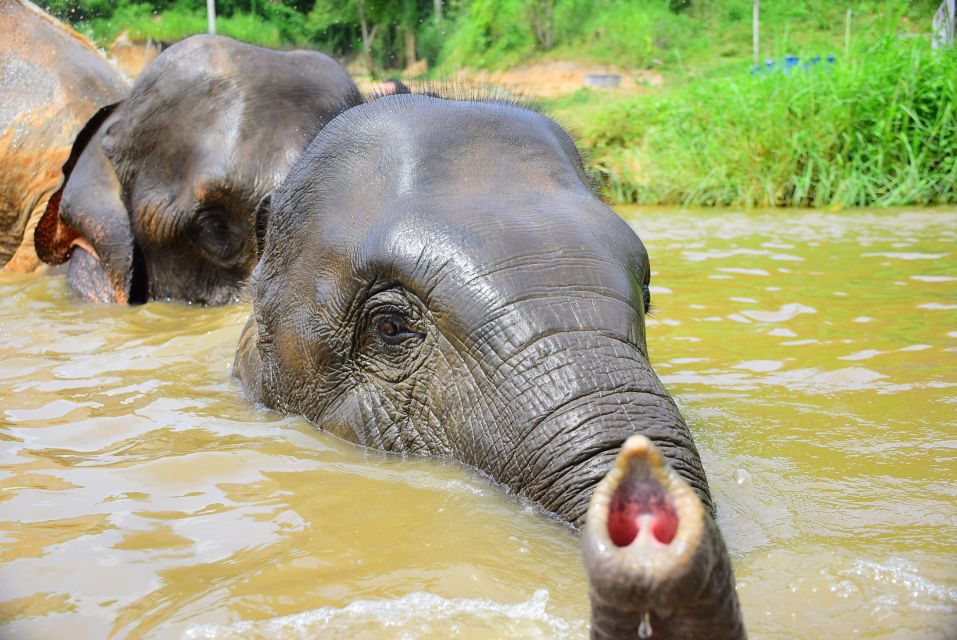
pixel 877 129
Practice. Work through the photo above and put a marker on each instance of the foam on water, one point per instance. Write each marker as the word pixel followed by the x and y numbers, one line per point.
pixel 895 585
pixel 415 615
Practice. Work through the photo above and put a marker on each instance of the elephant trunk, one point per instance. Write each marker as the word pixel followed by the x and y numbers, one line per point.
pixel 603 446
pixel 598 390
pixel 656 562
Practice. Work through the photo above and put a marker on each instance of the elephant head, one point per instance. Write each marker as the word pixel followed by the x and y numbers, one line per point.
pixel 437 277
pixel 160 191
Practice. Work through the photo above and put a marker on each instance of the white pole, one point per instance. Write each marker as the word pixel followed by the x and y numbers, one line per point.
pixel 755 31
pixel 847 36
pixel 211 15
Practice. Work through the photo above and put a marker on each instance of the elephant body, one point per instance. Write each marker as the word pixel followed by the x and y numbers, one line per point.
pixel 160 192
pixel 51 81
pixel 437 277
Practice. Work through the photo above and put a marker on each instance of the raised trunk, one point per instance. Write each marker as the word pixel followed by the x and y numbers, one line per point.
pixel 654 555
pixel 656 562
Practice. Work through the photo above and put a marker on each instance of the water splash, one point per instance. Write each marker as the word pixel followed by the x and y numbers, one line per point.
pixel 415 615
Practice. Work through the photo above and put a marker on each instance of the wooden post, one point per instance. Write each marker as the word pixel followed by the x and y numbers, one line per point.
pixel 368 35
pixel 754 35
pixel 211 15
pixel 409 47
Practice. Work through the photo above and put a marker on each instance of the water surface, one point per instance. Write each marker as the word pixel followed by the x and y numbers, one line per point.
pixel 814 355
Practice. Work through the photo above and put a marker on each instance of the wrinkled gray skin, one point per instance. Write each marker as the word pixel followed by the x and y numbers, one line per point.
pixel 161 201
pixel 438 278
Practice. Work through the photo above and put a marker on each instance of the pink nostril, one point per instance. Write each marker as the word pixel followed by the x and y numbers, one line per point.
pixel 665 526
pixel 622 524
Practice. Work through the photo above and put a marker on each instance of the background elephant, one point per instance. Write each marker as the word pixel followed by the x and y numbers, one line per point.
pixel 51 81
pixel 161 189
pixel 438 278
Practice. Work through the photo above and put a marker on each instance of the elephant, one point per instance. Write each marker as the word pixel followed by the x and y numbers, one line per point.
pixel 160 192
pixel 438 277
pixel 52 80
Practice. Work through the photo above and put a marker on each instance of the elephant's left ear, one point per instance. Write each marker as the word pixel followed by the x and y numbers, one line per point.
pixel 262 223
pixel 54 240
pixel 87 214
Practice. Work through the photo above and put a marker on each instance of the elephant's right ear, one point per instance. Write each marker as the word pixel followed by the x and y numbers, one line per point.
pixel 248 366
pixel 262 223
pixel 87 213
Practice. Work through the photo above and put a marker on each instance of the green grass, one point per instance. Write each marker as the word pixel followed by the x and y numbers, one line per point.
pixel 174 24
pixel 877 129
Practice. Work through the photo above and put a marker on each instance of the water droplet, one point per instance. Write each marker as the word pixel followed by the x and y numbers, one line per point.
pixel 644 629
pixel 742 477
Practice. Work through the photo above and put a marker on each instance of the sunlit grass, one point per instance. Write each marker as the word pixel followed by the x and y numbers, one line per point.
pixel 877 129
pixel 141 23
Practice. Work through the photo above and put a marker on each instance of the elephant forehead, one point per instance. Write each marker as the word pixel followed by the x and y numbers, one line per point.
pixel 207 114
pixel 426 146
pixel 536 273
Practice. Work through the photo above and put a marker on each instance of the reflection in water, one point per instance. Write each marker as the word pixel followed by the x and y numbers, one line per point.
pixel 812 353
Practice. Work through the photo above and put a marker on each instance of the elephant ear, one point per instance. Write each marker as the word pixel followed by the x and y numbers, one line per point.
pixel 86 220
pixel 248 365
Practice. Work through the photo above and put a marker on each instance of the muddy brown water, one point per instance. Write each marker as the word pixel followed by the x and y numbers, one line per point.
pixel 814 355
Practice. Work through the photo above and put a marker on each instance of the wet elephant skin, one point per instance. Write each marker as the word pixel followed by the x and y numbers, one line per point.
pixel 161 188
pixel 438 278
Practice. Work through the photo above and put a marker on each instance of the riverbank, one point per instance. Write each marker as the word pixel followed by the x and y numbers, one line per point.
pixel 875 128
pixel 865 117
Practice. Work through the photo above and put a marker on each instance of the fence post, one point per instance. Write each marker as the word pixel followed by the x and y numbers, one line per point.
pixel 754 35
pixel 211 15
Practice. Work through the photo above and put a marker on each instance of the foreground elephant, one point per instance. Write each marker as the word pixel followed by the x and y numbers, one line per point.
pixel 437 278
pixel 51 81
pixel 161 189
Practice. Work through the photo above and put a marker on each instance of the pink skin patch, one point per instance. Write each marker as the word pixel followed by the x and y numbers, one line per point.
pixel 637 508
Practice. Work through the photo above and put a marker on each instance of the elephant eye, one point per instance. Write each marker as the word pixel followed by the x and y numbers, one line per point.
pixel 391 333
pixel 394 330
pixel 646 298
pixel 218 236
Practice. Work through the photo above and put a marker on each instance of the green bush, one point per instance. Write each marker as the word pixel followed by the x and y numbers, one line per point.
pixel 629 34
pixel 141 22
pixel 489 34
pixel 879 129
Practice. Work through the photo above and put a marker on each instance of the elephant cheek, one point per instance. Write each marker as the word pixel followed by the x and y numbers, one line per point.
pixel 90 279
